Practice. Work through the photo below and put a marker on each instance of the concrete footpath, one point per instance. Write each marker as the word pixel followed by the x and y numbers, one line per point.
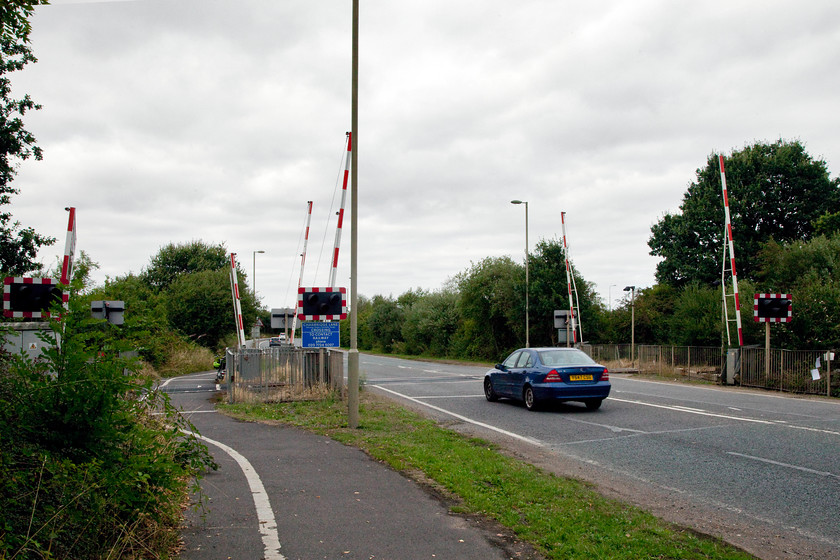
pixel 286 494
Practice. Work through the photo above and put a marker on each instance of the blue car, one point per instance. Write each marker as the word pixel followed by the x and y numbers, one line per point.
pixel 541 375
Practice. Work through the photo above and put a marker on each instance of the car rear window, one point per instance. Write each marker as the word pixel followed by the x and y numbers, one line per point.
pixel 565 358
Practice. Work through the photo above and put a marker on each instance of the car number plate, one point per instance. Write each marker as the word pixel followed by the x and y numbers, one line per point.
pixel 580 378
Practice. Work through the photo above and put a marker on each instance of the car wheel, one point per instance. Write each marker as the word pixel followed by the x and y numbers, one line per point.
pixel 593 404
pixel 489 393
pixel 529 398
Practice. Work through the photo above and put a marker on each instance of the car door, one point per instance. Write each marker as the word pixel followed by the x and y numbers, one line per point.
pixel 502 380
pixel 519 372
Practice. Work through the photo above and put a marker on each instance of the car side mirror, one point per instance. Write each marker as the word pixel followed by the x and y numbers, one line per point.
pixel 500 367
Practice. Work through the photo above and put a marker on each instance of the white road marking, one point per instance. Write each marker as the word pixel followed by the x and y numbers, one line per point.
pixel 809 429
pixel 464 418
pixel 633 434
pixel 429 397
pixel 688 408
pixel 695 411
pixel 786 465
pixel 265 515
pixel 728 417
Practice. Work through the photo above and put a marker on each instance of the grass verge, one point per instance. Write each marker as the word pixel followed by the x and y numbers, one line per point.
pixel 561 518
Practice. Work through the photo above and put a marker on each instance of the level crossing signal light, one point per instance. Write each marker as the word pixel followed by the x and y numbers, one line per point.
pixel 773 308
pixel 315 304
pixel 31 298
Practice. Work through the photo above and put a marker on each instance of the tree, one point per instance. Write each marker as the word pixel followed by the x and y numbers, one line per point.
pixel 199 306
pixel 364 336
pixel 173 261
pixel 549 290
pixel 146 325
pixel 430 323
pixel 384 322
pixel 827 224
pixel 775 191
pixel 696 320
pixel 492 308
pixel 810 271
pixel 18 247
pixel 193 279
pixel 653 308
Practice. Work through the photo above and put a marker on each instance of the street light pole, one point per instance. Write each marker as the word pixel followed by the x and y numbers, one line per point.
pixel 254 277
pixel 632 290
pixel 527 310
pixel 353 354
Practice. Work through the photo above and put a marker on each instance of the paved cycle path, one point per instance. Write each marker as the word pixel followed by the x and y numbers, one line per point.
pixel 283 493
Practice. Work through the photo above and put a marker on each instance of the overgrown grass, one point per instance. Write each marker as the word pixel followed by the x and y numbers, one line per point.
pixel 185 358
pixel 562 518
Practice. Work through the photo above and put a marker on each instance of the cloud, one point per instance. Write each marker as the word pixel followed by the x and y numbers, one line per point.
pixel 167 121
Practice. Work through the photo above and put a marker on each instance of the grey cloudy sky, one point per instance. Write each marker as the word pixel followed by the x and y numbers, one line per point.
pixel 173 120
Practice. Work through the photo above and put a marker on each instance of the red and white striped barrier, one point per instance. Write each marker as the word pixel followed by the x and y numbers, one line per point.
pixel 69 249
pixel 334 269
pixel 237 305
pixel 731 252
pixel 572 317
pixel 302 260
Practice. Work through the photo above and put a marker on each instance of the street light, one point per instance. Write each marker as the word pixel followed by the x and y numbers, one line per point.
pixel 527 340
pixel 254 277
pixel 632 290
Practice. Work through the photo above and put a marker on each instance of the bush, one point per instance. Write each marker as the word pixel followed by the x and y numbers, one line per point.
pixel 94 460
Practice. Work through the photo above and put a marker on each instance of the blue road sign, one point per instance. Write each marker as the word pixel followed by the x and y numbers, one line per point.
pixel 318 334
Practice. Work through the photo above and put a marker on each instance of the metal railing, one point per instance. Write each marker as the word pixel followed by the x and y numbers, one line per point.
pixel 684 361
pixel 611 355
pixel 699 362
pixel 283 373
pixel 790 370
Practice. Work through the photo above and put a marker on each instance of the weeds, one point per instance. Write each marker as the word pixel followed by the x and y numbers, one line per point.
pixel 186 358
pixel 94 464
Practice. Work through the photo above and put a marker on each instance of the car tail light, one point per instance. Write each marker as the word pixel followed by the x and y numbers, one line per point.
pixel 605 376
pixel 553 377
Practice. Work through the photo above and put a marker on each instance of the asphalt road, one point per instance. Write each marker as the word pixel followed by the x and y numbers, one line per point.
pixel 760 469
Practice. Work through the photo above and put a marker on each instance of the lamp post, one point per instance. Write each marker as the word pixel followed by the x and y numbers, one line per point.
pixel 632 290
pixel 353 354
pixel 254 277
pixel 527 326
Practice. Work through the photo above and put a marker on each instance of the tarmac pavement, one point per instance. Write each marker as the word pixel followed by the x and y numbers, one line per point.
pixel 282 493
